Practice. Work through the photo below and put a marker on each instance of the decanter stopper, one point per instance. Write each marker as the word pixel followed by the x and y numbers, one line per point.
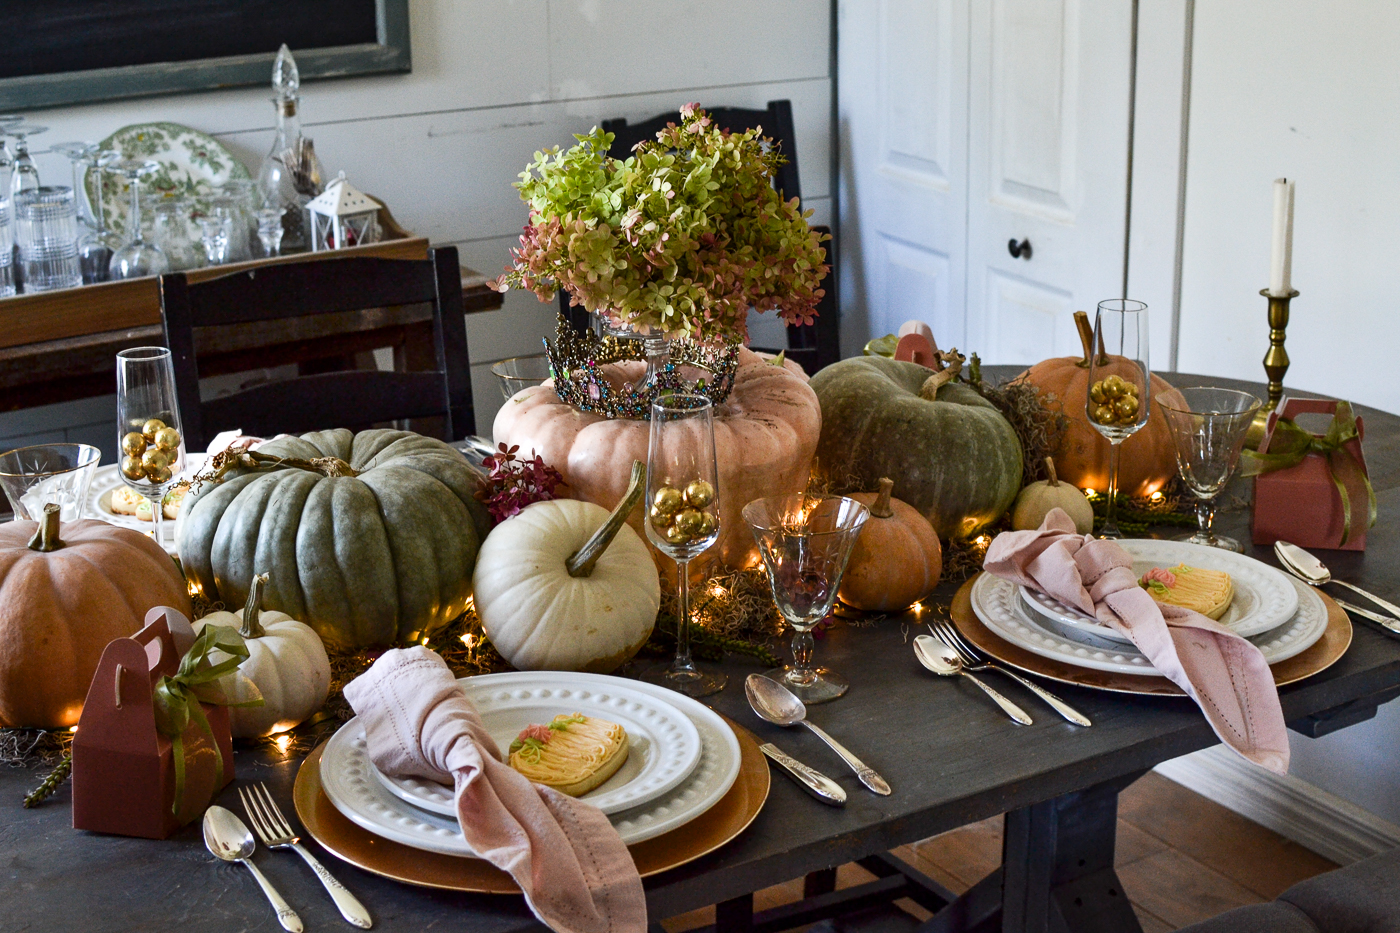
pixel 286 81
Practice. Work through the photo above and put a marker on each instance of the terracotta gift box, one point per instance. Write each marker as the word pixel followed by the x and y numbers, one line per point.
pixel 123 768
pixel 1301 504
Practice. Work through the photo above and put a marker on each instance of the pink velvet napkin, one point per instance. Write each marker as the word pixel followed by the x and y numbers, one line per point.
pixel 1225 674
pixel 577 875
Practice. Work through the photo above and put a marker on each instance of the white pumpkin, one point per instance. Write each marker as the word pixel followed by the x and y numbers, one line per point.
pixel 286 661
pixel 1037 499
pixel 538 615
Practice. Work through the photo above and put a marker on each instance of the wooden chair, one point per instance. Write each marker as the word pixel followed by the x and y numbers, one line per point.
pixel 812 345
pixel 333 399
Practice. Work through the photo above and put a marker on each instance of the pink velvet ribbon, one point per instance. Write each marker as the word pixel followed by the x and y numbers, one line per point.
pixel 576 874
pixel 1225 674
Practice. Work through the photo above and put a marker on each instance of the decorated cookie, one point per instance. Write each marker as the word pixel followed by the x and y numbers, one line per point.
pixel 1209 592
pixel 572 754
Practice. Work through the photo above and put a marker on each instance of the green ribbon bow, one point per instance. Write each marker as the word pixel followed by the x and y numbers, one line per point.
pixel 1290 444
pixel 177 699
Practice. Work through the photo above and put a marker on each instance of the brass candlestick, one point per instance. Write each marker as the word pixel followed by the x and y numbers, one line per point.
pixel 1275 363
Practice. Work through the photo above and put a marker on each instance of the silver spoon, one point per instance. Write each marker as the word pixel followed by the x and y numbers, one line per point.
pixel 227 837
pixel 944 662
pixel 1314 572
pixel 780 706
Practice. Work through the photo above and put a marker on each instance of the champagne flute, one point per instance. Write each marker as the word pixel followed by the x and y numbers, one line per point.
pixel 148 427
pixel 1120 387
pixel 806 542
pixel 683 517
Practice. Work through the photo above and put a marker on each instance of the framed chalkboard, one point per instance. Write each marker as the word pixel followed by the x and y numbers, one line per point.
pixel 59 52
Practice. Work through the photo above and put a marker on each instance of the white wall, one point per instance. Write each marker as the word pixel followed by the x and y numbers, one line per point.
pixel 492 82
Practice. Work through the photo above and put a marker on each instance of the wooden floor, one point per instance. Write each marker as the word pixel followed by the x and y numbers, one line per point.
pixel 1181 858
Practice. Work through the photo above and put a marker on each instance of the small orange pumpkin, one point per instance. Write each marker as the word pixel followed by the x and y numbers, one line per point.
pixel 62 599
pixel 897 559
pixel 1148 458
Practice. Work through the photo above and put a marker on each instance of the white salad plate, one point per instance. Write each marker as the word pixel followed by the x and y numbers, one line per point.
pixel 998 603
pixel 354 787
pixel 107 480
pixel 663 744
pixel 1264 597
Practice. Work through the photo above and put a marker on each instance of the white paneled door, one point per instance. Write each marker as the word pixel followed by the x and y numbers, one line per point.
pixel 971 125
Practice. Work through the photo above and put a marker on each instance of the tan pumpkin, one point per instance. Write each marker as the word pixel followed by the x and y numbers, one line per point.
pixel 765 435
pixel 1148 458
pixel 65 592
pixel 1036 501
pixel 896 560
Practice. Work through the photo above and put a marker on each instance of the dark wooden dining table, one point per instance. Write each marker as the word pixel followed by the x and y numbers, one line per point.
pixel 951 757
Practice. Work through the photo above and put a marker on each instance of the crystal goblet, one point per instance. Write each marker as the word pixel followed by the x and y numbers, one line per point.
pixel 1208 427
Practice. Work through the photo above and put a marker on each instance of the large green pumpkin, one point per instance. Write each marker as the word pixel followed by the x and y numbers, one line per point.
pixel 954 458
pixel 380 555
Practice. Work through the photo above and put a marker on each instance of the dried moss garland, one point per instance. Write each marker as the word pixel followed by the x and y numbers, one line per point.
pixel 1037 427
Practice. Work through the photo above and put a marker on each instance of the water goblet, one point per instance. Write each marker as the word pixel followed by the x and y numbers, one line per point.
pixel 520 372
pixel 270 230
pixel 682 517
pixel 25 174
pixel 214 237
pixel 149 436
pixel 1208 426
pixel 806 542
pixel 33 477
pixel 171 233
pixel 1120 387
pixel 137 257
pixel 94 239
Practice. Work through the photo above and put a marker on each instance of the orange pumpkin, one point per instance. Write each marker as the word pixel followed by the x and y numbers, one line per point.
pixel 62 599
pixel 897 559
pixel 765 436
pixel 1148 458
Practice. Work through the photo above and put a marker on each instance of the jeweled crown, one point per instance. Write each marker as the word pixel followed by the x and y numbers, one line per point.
pixel 577 360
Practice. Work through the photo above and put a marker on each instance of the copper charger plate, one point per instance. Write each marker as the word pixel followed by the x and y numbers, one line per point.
pixel 702 835
pixel 1326 652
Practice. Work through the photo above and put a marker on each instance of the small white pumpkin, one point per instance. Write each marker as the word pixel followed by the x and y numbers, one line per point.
pixel 1036 500
pixel 286 661
pixel 564 586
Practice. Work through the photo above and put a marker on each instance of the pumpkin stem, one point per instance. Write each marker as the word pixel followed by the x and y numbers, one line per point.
pixel 881 506
pixel 929 390
pixel 1086 336
pixel 46 535
pixel 326 466
pixel 1050 467
pixel 580 563
pixel 252 628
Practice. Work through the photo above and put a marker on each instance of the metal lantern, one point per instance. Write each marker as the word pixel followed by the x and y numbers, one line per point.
pixel 342 216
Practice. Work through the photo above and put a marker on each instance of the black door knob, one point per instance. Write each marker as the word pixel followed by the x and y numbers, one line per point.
pixel 1021 250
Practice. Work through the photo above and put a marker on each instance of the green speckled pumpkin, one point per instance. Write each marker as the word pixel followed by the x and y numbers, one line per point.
pixel 383 556
pixel 955 458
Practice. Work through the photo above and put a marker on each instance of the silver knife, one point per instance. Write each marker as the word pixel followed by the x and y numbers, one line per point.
pixel 1385 621
pixel 813 781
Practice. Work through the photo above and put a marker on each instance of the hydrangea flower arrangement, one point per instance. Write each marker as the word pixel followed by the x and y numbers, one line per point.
pixel 682 238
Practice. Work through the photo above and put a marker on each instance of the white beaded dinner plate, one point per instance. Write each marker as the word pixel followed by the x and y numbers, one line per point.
pixel 998 604
pixel 1264 597
pixel 663 744
pixel 350 782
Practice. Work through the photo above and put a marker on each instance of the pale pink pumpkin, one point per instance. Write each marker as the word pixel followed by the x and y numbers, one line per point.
pixel 765 436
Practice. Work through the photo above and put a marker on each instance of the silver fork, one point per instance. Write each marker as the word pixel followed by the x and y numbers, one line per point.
pixel 276 833
pixel 973 661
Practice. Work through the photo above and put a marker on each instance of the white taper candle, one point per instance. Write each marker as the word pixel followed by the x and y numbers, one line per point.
pixel 1281 259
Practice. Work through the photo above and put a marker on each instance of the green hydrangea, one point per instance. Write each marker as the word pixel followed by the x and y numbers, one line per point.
pixel 683 237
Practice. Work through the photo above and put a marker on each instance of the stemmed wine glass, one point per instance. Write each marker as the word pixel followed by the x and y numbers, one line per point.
pixel 1209 426
pixel 26 173
pixel 137 258
pixel 1120 386
pixel 95 242
pixel 148 426
pixel 683 517
pixel 806 543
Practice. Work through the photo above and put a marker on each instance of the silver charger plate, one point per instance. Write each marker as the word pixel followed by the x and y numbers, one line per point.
pixel 1264 597
pixel 999 605
pixel 350 782
pixel 663 744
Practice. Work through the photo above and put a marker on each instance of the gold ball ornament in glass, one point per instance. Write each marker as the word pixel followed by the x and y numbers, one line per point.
pixel 148 427
pixel 681 475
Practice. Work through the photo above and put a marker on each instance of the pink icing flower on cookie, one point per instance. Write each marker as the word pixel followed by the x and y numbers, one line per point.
pixel 1159 575
pixel 536 732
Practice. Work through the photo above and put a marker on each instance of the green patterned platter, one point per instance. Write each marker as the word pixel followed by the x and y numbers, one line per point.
pixel 192 164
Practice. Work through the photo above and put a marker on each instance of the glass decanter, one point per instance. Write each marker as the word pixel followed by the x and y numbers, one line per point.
pixel 290 171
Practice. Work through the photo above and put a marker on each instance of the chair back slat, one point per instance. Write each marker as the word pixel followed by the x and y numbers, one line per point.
pixel 354 398
pixel 341 399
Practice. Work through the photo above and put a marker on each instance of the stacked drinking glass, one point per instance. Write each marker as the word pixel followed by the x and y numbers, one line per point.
pixel 46 230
